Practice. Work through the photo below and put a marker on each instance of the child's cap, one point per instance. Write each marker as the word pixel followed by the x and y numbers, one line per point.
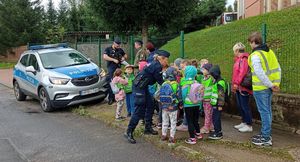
pixel 207 66
pixel 171 73
pixel 129 66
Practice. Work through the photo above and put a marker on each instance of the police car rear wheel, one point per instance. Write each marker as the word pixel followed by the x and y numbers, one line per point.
pixel 44 100
pixel 20 96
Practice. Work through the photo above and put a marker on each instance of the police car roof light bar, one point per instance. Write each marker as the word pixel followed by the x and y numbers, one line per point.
pixel 47 46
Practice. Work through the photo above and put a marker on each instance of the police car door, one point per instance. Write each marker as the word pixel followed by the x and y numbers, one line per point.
pixel 33 77
pixel 19 72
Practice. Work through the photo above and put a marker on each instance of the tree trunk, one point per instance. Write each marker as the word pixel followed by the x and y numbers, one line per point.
pixel 145 34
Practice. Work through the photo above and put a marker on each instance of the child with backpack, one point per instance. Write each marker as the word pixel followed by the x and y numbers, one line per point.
pixel 120 83
pixel 192 99
pixel 129 75
pixel 169 98
pixel 207 82
pixel 217 101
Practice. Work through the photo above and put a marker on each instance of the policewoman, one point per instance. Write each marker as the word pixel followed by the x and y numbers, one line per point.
pixel 142 99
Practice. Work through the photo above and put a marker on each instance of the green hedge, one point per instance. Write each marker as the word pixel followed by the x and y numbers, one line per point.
pixel 215 43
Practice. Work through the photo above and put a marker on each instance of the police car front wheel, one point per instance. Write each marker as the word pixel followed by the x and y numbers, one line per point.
pixel 20 96
pixel 44 100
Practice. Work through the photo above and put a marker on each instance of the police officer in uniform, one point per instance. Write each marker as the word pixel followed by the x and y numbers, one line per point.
pixel 142 99
pixel 114 55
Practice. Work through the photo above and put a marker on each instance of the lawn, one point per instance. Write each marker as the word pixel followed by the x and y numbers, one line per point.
pixel 7 65
pixel 215 43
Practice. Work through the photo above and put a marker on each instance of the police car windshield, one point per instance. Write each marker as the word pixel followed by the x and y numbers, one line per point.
pixel 62 59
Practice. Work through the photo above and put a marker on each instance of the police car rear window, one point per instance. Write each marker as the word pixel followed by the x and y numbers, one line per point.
pixel 62 59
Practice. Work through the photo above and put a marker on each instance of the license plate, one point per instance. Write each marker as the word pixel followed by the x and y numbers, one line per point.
pixel 90 91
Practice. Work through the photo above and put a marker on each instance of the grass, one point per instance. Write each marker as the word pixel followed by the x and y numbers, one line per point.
pixel 7 65
pixel 215 43
pixel 106 113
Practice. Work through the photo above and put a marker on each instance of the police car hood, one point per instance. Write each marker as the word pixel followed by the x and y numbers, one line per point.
pixel 77 71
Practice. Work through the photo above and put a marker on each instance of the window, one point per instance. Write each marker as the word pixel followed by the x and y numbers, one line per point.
pixel 24 59
pixel 33 62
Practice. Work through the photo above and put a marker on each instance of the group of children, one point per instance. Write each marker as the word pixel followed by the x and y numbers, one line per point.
pixel 188 90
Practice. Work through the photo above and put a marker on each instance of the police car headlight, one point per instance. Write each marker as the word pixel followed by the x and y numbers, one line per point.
pixel 102 73
pixel 59 81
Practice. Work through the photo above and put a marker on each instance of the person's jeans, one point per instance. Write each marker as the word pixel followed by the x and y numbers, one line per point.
pixel 216 117
pixel 264 105
pixel 242 99
pixel 129 103
pixel 192 116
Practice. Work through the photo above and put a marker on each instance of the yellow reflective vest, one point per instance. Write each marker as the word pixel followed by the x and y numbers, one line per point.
pixel 270 66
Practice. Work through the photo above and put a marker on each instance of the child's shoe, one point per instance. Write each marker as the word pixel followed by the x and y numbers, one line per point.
pixel 216 136
pixel 172 140
pixel 199 136
pixel 203 130
pixel 121 118
pixel 164 138
pixel 246 128
pixel 191 141
pixel 182 128
pixel 262 141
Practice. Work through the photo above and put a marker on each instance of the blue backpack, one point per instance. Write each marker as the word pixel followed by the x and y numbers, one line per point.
pixel 166 95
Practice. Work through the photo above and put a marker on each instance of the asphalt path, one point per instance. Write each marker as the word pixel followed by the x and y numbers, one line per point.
pixel 28 134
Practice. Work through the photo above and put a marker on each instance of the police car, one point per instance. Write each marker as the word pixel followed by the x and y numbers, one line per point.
pixel 58 76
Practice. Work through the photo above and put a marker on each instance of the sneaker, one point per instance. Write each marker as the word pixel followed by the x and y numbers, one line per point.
pixel 216 136
pixel 191 141
pixel 246 128
pixel 172 140
pixel 159 126
pixel 204 130
pixel 239 126
pixel 262 141
pixel 199 135
pixel 182 128
pixel 164 138
pixel 258 136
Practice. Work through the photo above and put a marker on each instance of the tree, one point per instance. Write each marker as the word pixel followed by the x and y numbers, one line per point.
pixel 137 15
pixel 235 6
pixel 229 8
pixel 206 11
pixel 20 23
pixel 62 14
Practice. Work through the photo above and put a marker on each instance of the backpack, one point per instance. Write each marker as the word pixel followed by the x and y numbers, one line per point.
pixel 196 92
pixel 115 89
pixel 247 80
pixel 227 91
pixel 166 95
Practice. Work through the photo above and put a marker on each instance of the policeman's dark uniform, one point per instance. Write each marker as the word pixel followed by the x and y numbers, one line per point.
pixel 116 53
pixel 142 100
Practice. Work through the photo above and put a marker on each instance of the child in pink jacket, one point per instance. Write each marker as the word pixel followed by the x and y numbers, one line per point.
pixel 120 96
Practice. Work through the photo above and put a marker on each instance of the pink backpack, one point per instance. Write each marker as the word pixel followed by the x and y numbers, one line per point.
pixel 196 93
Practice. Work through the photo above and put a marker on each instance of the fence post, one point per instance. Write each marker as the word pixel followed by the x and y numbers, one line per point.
pixel 131 44
pixel 264 33
pixel 182 44
pixel 100 51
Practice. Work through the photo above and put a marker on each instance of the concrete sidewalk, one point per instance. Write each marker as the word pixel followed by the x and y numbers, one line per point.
pixel 6 77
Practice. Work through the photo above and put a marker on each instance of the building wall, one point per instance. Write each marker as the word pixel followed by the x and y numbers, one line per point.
pixel 249 8
pixel 253 7
pixel 13 55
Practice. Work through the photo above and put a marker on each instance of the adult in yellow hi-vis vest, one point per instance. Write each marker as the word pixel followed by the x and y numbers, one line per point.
pixel 266 77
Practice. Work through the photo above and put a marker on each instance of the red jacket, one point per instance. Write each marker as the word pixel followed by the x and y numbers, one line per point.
pixel 240 69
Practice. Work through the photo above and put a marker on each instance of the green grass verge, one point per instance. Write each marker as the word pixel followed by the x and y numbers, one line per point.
pixel 215 43
pixel 7 65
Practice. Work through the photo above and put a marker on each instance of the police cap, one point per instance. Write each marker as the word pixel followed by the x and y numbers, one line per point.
pixel 163 53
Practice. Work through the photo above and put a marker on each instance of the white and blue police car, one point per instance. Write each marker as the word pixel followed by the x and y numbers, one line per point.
pixel 58 76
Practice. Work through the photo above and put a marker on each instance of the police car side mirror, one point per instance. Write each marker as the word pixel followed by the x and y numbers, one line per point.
pixel 30 69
